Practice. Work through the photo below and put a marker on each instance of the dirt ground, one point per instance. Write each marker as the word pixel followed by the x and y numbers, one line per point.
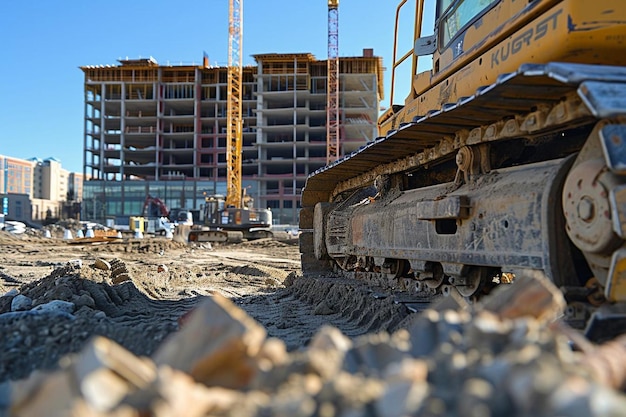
pixel 57 294
pixel 166 280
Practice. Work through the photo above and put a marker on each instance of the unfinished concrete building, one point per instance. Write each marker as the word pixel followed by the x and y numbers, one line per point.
pixel 161 130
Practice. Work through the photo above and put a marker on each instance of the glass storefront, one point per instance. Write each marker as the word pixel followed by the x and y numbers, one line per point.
pixel 104 200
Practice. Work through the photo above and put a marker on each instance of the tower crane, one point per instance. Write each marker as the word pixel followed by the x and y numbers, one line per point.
pixel 230 218
pixel 234 120
pixel 332 90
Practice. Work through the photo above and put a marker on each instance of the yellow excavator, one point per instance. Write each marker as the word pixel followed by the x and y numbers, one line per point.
pixel 508 156
pixel 224 223
pixel 232 218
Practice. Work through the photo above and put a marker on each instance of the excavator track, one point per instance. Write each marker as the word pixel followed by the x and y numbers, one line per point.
pixel 527 174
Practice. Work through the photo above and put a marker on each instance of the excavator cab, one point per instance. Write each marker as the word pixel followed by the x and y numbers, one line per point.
pixel 214 205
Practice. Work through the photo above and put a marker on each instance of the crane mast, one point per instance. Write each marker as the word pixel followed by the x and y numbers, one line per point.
pixel 332 90
pixel 234 119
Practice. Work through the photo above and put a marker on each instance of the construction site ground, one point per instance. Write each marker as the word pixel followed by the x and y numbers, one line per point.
pixel 140 293
pixel 170 278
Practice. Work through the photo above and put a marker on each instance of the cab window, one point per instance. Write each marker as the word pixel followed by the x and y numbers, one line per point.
pixel 459 15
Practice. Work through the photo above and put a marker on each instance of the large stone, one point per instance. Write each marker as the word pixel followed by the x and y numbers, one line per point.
pixel 530 295
pixel 373 353
pixel 56 306
pixel 272 353
pixel 330 338
pixel 107 373
pixel 424 334
pixel 182 396
pixel 44 395
pixel 216 346
pixel 401 398
pixel 20 303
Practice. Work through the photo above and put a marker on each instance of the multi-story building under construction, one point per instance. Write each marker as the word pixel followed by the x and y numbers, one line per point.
pixel 160 130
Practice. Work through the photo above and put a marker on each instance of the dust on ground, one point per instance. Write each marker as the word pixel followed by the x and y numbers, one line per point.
pixel 151 284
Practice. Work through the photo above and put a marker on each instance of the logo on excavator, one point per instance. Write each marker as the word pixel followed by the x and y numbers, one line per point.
pixel 516 44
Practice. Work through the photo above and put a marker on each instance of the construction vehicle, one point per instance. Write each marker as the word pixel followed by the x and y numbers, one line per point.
pixel 232 224
pixel 507 157
pixel 154 207
pixel 156 218
pixel 232 218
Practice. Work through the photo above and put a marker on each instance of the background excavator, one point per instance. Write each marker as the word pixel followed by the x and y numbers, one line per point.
pixel 508 157
pixel 224 223
pixel 232 218
pixel 157 218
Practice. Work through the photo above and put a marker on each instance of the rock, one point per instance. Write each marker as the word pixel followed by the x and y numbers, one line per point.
pixel 606 363
pixel 51 395
pixel 106 373
pixel 84 300
pixel 424 334
pixel 454 359
pixel 11 293
pixel 330 338
pixel 273 353
pixel 372 353
pixel 530 295
pixel 474 398
pixel 216 346
pixel 55 306
pixel 20 303
pixel 102 264
pixel 350 394
pixel 327 351
pixel 180 395
pixel 401 398
pixel 61 291
pixel 487 333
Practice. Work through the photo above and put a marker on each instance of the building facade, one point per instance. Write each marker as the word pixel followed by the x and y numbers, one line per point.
pixel 161 130
pixel 17 176
pixel 34 189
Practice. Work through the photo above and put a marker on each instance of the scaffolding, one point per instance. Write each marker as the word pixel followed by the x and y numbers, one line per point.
pixel 168 124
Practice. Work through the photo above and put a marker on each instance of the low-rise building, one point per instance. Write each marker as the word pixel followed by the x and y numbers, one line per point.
pixel 36 190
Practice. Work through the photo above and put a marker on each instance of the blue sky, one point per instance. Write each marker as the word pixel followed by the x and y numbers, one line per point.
pixel 45 43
